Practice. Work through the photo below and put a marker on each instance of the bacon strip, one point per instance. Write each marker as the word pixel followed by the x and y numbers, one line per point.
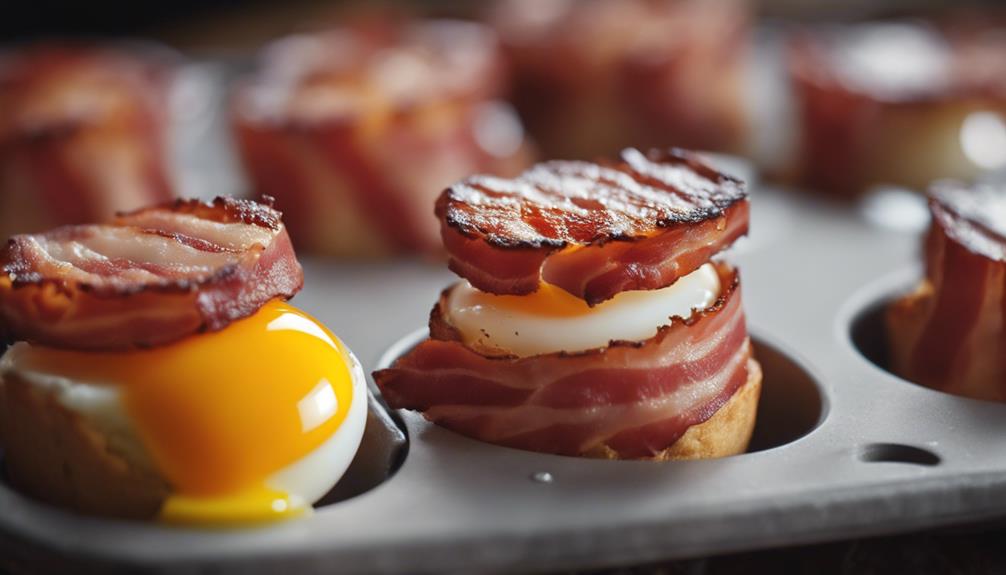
pixel 594 230
pixel 148 278
pixel 634 398
pixel 951 333
pixel 873 98
pixel 594 76
pixel 82 134
pixel 356 130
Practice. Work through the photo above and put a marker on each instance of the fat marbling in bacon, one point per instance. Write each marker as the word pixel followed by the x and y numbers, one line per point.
pixel 148 277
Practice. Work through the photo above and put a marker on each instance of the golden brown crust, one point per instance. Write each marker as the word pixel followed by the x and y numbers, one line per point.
pixel 55 455
pixel 727 432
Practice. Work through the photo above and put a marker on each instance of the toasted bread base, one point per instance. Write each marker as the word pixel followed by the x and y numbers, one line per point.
pixel 55 455
pixel 727 432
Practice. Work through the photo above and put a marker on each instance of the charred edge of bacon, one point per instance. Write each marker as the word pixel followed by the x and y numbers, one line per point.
pixel 222 209
pixel 505 235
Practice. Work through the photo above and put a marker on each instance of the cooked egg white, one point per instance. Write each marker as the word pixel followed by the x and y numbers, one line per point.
pixel 551 319
pixel 252 423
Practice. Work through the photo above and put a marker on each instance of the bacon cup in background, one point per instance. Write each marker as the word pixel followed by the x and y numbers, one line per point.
pixel 156 371
pixel 82 133
pixel 897 103
pixel 950 333
pixel 592 77
pixel 356 130
pixel 590 320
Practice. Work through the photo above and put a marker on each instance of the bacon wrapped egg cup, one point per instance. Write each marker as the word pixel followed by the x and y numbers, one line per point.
pixel 592 77
pixel 356 130
pixel 591 320
pixel 156 371
pixel 82 134
pixel 899 103
pixel 950 333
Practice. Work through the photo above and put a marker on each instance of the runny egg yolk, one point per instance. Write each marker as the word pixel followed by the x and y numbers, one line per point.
pixel 547 301
pixel 552 320
pixel 220 412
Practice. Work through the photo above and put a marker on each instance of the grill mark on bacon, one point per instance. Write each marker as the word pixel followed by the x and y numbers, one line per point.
pixel 592 229
pixel 119 286
pixel 570 403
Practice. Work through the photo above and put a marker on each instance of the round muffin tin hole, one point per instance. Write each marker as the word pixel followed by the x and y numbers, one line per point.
pixel 382 452
pixel 791 405
pixel 897 453
pixel 869 333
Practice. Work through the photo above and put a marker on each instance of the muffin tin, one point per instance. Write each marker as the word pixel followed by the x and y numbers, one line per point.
pixel 841 447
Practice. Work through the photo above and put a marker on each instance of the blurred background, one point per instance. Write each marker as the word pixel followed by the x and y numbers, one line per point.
pixel 219 23
pixel 354 115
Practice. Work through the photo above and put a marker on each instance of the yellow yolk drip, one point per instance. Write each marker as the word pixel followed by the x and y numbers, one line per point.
pixel 220 412
pixel 256 505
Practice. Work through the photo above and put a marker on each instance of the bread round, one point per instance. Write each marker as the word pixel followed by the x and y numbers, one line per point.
pixel 56 455
pixel 727 432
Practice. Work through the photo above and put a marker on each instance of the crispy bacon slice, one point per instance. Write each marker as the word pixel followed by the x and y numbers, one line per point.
pixel 594 230
pixel 148 278
pixel 631 398
pixel 950 334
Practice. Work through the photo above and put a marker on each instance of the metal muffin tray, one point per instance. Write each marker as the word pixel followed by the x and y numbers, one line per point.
pixel 841 448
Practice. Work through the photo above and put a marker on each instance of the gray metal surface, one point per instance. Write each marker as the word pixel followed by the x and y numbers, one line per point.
pixel 459 505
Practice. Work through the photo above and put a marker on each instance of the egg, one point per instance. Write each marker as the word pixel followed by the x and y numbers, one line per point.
pixel 552 320
pixel 252 423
